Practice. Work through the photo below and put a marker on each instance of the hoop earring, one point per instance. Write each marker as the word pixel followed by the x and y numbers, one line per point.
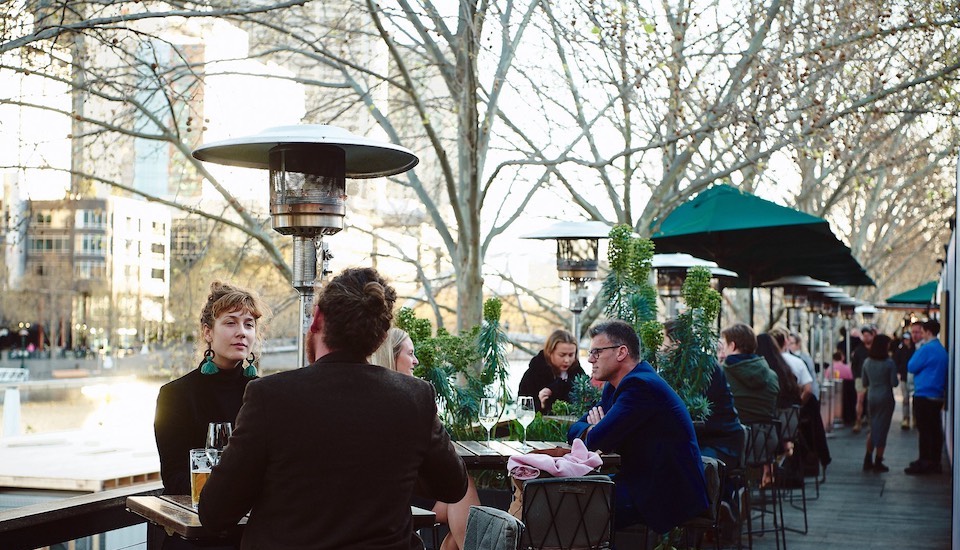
pixel 208 367
pixel 250 371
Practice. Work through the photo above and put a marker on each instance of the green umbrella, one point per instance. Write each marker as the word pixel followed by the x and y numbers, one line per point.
pixel 921 295
pixel 758 239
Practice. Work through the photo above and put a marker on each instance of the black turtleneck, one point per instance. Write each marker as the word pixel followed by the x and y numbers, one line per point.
pixel 184 409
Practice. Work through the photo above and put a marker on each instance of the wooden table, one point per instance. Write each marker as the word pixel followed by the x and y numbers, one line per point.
pixel 493 455
pixel 176 515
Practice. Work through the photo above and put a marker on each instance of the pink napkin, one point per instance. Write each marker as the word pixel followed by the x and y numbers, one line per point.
pixel 578 462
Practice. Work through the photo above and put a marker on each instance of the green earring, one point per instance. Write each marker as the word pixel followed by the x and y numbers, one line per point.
pixel 208 366
pixel 250 371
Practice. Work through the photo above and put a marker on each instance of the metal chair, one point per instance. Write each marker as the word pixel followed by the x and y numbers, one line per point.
pixel 568 513
pixel 714 471
pixel 762 443
pixel 492 529
pixel 791 479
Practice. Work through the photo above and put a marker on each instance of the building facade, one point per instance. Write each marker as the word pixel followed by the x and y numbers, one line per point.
pixel 97 270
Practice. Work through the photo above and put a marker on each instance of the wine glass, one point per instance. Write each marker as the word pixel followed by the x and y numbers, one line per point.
pixel 489 413
pixel 217 435
pixel 525 415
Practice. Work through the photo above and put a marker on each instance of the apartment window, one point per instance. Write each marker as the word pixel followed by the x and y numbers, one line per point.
pixel 93 218
pixel 90 269
pixel 92 245
pixel 44 218
pixel 157 248
pixel 157 273
pixel 48 245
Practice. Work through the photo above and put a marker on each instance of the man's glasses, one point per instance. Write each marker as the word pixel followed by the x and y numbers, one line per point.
pixel 595 352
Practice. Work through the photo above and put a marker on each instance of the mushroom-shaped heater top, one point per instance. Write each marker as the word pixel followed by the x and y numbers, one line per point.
pixel 308 167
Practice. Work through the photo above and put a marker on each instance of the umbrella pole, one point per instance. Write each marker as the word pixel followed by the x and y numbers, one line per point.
pixel 770 322
pixel 750 286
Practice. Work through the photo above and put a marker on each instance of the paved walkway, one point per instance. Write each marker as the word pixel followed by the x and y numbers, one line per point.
pixel 858 509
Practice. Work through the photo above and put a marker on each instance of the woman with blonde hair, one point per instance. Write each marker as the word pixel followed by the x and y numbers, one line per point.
pixel 549 377
pixel 397 353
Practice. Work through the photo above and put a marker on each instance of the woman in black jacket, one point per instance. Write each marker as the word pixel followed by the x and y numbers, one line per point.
pixel 551 372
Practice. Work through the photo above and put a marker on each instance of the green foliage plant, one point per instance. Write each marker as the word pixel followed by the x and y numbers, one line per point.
pixel 688 366
pixel 462 368
pixel 627 294
pixel 448 361
pixel 492 345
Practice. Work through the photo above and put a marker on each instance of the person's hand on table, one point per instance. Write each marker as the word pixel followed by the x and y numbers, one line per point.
pixel 544 394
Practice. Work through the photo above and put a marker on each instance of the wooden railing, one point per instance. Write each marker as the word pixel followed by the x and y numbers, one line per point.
pixel 69 519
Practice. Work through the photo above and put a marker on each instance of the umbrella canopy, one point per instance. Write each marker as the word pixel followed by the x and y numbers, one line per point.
pixel 758 239
pixel 921 295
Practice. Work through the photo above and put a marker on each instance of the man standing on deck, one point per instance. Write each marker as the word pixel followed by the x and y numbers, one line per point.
pixel 857 357
pixel 929 369
pixel 661 482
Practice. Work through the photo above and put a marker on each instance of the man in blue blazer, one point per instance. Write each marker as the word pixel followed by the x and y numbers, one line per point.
pixel 661 482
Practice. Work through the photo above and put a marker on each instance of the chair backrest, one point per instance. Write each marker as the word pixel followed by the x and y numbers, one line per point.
pixel 492 529
pixel 762 440
pixel 789 422
pixel 713 471
pixel 567 513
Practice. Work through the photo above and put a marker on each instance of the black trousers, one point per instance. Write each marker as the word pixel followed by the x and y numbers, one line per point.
pixel 926 411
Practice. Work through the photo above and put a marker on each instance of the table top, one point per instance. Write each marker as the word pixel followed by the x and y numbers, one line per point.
pixel 176 515
pixel 494 454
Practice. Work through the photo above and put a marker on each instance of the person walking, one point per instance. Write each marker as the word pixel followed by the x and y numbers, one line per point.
pixel 879 379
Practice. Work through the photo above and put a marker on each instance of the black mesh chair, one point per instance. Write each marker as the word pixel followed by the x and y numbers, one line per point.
pixel 568 513
pixel 761 452
pixel 714 471
pixel 789 476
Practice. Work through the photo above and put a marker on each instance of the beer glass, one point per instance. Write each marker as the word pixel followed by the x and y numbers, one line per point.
pixel 202 462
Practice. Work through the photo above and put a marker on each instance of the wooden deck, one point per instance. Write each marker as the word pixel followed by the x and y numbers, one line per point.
pixel 858 509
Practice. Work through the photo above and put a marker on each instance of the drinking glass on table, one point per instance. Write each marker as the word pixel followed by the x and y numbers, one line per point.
pixel 489 413
pixel 202 462
pixel 217 435
pixel 525 415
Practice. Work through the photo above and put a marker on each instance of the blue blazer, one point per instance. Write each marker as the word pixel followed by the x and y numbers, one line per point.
pixel 661 482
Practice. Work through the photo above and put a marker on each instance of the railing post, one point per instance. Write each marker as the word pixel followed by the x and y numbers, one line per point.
pixel 11 411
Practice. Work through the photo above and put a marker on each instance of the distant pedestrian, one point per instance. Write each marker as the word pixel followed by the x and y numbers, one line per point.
pixel 879 379
pixel 857 357
pixel 902 352
pixel 929 368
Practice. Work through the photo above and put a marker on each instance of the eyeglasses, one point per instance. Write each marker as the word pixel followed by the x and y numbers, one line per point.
pixel 595 352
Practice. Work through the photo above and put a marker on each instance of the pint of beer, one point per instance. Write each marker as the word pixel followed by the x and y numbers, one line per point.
pixel 201 462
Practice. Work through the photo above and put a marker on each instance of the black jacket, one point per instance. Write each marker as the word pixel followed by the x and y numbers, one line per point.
pixel 327 456
pixel 184 409
pixel 539 375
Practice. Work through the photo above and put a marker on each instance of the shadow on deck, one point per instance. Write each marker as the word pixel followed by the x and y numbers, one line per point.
pixel 858 509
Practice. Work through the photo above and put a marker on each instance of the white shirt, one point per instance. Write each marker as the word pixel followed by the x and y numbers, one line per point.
pixel 798 368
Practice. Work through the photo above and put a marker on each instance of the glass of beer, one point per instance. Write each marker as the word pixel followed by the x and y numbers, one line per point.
pixel 202 462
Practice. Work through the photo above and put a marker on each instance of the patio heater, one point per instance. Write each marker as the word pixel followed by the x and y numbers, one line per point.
pixel 578 247
pixel 867 311
pixel 796 291
pixel 308 167
pixel 672 273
